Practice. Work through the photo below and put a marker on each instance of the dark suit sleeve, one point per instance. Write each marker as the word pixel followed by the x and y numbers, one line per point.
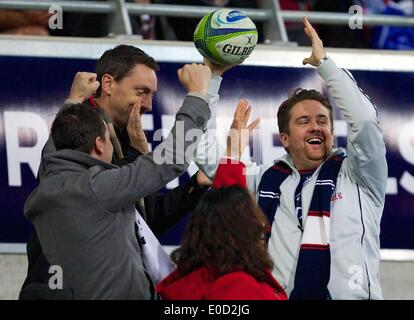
pixel 165 210
pixel 130 156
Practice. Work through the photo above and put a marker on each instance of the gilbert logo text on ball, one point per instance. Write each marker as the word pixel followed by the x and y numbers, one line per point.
pixel 225 36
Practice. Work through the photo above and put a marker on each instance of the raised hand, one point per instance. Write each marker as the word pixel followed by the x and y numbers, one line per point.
pixel 37 17
pixel 28 31
pixel 83 86
pixel 239 131
pixel 217 69
pixel 318 51
pixel 195 77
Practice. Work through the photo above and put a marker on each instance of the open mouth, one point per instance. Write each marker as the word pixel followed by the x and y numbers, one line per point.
pixel 315 140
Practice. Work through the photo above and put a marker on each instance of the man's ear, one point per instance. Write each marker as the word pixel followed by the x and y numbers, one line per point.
pixel 284 139
pixel 107 84
pixel 98 145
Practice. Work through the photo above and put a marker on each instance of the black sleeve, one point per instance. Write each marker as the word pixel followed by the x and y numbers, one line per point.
pixel 165 210
pixel 130 155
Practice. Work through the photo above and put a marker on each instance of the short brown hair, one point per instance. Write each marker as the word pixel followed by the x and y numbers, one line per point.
pixel 76 127
pixel 225 234
pixel 294 97
pixel 119 61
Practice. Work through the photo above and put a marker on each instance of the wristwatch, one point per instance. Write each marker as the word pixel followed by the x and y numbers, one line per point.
pixel 322 60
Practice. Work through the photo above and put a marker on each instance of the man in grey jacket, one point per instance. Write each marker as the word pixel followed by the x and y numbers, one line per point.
pixel 324 204
pixel 83 209
pixel 129 83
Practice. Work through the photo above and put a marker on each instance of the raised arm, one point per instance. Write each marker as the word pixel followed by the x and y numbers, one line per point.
pixel 209 151
pixel 365 146
pixel 83 86
pixel 149 173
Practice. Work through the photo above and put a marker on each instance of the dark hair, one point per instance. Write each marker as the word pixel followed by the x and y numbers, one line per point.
pixel 76 127
pixel 298 95
pixel 119 61
pixel 225 234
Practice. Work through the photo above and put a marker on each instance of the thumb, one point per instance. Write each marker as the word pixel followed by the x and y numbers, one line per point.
pixel 306 61
pixel 253 125
pixel 179 73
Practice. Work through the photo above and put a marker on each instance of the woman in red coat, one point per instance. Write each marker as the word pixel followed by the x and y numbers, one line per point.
pixel 223 253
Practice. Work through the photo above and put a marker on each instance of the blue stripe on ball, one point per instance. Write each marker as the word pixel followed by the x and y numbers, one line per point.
pixel 219 32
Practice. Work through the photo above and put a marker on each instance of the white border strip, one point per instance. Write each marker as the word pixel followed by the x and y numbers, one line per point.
pixel 12 248
pixel 184 52
pixel 386 254
pixel 397 255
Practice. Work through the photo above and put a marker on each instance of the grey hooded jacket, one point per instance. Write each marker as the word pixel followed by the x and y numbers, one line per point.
pixel 83 211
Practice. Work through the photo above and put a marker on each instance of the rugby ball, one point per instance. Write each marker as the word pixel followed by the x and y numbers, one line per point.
pixel 225 36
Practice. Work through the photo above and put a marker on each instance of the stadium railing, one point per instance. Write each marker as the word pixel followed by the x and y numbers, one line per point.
pixel 270 14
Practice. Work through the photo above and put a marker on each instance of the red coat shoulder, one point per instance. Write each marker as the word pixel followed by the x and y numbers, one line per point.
pixel 230 172
pixel 242 286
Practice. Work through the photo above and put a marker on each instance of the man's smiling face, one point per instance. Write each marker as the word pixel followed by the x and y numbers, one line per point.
pixel 310 135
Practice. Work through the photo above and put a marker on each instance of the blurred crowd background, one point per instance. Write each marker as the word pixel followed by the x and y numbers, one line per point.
pixel 33 22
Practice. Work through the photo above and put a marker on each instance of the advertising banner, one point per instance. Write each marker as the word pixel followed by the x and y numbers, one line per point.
pixel 32 89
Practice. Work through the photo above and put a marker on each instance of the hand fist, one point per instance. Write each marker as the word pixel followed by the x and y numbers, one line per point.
pixel 28 31
pixel 195 77
pixel 83 86
pixel 37 17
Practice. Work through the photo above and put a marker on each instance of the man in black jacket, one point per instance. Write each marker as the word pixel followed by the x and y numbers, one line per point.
pixel 126 86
